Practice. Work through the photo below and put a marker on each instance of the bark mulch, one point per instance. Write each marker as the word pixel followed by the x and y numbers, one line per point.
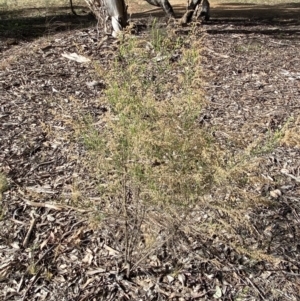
pixel 48 248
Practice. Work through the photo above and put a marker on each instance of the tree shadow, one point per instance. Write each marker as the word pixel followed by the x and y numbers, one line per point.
pixel 257 11
pixel 235 10
pixel 31 23
pixel 281 20
pixel 179 10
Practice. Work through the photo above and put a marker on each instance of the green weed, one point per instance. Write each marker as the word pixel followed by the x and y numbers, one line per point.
pixel 3 185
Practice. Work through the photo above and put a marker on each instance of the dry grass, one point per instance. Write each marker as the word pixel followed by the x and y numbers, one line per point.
pixel 291 137
pixel 155 165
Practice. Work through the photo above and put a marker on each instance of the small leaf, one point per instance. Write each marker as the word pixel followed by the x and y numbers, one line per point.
pixel 76 57
pixel 182 279
pixel 275 193
pixel 218 293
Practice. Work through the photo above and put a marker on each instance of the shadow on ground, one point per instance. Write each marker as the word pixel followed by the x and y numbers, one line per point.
pixel 280 21
pixel 276 13
pixel 246 18
pixel 31 23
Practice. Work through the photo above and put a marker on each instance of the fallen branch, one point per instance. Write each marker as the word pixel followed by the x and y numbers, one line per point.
pixel 53 206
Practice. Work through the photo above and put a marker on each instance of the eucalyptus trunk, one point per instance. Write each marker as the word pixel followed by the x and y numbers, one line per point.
pixel 113 10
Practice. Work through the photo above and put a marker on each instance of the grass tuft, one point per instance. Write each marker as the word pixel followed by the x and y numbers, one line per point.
pixel 152 142
pixel 156 165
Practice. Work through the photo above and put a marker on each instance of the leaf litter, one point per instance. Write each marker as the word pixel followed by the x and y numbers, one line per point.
pixel 48 248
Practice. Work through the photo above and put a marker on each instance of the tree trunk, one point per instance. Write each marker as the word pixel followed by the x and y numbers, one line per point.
pixel 165 5
pixel 192 6
pixel 114 10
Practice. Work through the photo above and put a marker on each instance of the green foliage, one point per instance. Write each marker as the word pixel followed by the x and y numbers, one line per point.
pixel 152 142
pixel 150 154
pixel 3 188
pixel 3 185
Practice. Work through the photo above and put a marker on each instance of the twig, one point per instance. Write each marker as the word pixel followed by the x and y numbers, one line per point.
pixel 256 288
pixel 72 8
pixel 53 206
pixel 20 284
pixel 27 237
pixel 127 250
pixel 291 274
pixel 297 179
pixel 35 278
pixel 159 245
pixel 43 256
pixel 224 56
pixel 18 222
pixel 283 294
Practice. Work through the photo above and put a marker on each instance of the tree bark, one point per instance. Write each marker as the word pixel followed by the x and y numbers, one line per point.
pixel 165 5
pixel 192 5
pixel 114 10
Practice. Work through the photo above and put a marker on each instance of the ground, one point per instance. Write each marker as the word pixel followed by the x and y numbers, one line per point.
pixel 51 244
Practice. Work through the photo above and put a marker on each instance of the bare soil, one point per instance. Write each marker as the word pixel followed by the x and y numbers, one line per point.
pixel 48 248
